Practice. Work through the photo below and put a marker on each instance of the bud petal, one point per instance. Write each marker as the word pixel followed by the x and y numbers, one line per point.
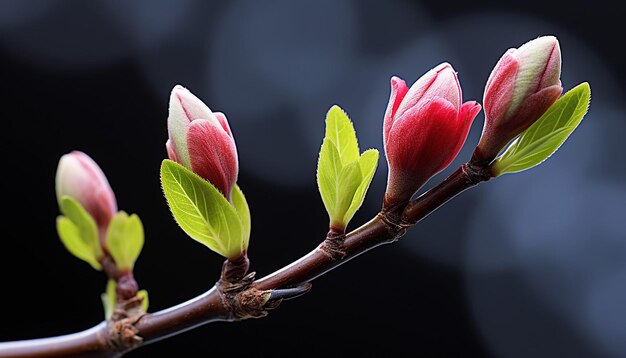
pixel 426 132
pixel 79 177
pixel 520 74
pixel 398 91
pixel 213 154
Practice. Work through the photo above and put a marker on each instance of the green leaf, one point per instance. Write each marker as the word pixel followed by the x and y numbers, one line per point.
pixel 109 299
pixel 544 137
pixel 343 176
pixel 201 210
pixel 79 232
pixel 328 167
pixel 348 182
pixel 368 163
pixel 241 206
pixel 340 131
pixel 143 294
pixel 73 242
pixel 125 240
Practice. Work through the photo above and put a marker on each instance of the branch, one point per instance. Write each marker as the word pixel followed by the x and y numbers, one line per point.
pixel 231 301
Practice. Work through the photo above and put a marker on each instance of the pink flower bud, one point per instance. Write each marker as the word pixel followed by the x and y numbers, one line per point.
pixel 522 86
pixel 424 129
pixel 79 177
pixel 201 140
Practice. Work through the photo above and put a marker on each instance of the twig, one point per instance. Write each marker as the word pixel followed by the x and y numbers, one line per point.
pixel 246 298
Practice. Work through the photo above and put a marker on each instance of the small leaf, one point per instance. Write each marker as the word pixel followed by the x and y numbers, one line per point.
pixel 241 205
pixel 368 163
pixel 340 131
pixel 125 239
pixel 348 181
pixel 109 299
pixel 201 210
pixel 143 294
pixel 85 229
pixel 73 242
pixel 544 137
pixel 328 168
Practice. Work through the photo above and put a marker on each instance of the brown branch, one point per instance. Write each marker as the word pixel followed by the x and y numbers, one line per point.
pixel 230 301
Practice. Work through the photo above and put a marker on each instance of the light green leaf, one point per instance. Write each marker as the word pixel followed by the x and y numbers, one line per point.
pixel 340 131
pixel 109 299
pixel 125 240
pixel 73 242
pixel 201 210
pixel 368 163
pixel 343 176
pixel 348 182
pixel 143 294
pixel 241 205
pixel 84 229
pixel 328 168
pixel 544 137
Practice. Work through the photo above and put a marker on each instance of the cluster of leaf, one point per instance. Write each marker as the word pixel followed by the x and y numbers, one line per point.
pixel 343 176
pixel 79 233
pixel 124 240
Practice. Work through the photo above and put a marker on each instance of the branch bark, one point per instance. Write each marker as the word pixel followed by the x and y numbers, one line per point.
pixel 250 298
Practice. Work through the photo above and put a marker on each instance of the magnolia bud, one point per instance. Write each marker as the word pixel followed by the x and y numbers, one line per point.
pixel 424 129
pixel 522 86
pixel 201 140
pixel 79 177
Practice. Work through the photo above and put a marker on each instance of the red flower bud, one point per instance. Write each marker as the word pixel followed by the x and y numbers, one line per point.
pixel 201 140
pixel 424 129
pixel 79 177
pixel 522 86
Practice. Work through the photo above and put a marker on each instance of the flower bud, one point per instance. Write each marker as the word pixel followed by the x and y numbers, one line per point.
pixel 522 86
pixel 201 140
pixel 79 177
pixel 424 129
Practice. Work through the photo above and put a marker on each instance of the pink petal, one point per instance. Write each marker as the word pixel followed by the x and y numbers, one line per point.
pixel 500 88
pixel 221 118
pixel 398 91
pixel 213 155
pixel 440 81
pixel 469 111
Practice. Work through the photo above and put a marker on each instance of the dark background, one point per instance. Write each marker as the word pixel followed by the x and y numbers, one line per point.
pixel 532 264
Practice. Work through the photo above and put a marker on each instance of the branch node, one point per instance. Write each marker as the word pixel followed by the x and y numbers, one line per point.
pixel 333 245
pixel 122 333
pixel 394 221
pixel 475 174
pixel 241 299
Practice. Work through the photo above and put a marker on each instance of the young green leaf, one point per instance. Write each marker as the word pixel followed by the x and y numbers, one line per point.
pixel 125 239
pixel 79 232
pixel 74 243
pixel 368 163
pixel 109 298
pixel 343 176
pixel 241 205
pixel 544 137
pixel 328 168
pixel 143 294
pixel 202 211
pixel 340 131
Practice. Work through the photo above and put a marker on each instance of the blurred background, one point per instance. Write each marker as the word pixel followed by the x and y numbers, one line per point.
pixel 528 265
